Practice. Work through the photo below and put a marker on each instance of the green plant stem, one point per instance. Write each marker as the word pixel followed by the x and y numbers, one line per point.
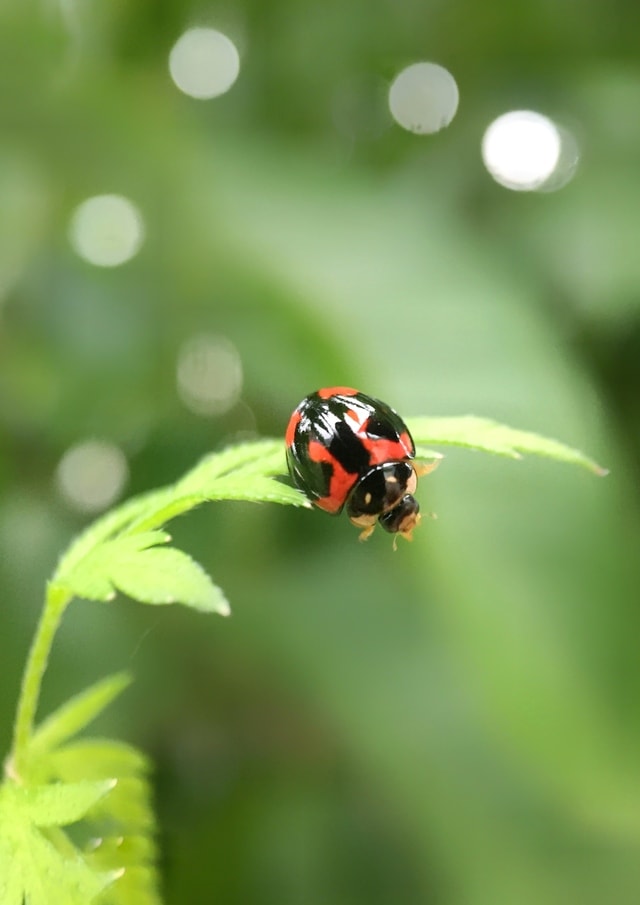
pixel 56 602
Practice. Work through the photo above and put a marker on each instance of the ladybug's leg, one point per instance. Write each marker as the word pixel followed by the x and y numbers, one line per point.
pixel 366 522
pixel 424 468
pixel 364 535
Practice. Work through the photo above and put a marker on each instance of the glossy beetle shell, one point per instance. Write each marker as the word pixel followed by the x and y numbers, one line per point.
pixel 337 436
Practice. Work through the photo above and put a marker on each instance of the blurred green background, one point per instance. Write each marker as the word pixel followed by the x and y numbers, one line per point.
pixel 455 723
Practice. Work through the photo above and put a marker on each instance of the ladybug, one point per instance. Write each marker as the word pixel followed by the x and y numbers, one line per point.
pixel 346 448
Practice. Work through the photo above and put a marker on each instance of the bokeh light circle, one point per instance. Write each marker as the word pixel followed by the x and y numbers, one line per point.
pixel 204 63
pixel 521 149
pixel 209 374
pixel 91 475
pixel 106 230
pixel 567 164
pixel 423 98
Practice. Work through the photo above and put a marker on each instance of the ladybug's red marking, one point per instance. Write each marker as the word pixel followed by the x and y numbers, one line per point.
pixel 381 450
pixel 294 421
pixel 341 480
pixel 328 392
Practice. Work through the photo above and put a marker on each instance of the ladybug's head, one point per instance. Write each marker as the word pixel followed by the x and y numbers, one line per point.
pixel 385 494
pixel 403 518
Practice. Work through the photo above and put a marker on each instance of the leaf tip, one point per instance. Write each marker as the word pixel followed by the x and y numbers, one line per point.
pixel 224 609
pixel 600 471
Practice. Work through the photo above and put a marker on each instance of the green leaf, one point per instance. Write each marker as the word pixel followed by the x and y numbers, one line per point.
pixel 126 813
pixel 118 551
pixel 77 713
pixel 134 565
pixel 244 473
pixel 91 577
pixel 111 852
pixel 109 525
pixel 489 436
pixel 62 803
pixel 96 758
pixel 256 489
pixel 129 803
pixel 163 510
pixel 167 576
pixel 11 881
pixel 32 868
pixel 240 485
pixel 265 457
pixel 129 806
pixel 136 886
pixel 45 870
pixel 262 458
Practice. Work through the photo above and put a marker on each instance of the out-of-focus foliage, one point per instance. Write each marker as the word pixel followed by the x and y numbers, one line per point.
pixel 50 784
pixel 455 722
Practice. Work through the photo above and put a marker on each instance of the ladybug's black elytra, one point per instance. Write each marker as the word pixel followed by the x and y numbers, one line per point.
pixel 346 448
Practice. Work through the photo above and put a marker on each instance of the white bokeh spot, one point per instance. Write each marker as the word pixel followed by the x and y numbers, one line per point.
pixel 204 63
pixel 521 149
pixel 91 475
pixel 423 98
pixel 209 374
pixel 106 230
